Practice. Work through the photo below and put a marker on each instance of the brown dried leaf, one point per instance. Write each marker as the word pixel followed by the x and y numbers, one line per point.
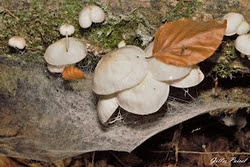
pixel 7 162
pixel 187 42
pixel 221 160
pixel 4 161
pixel 71 73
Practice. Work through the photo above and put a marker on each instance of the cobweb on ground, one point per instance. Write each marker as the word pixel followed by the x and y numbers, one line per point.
pixel 47 121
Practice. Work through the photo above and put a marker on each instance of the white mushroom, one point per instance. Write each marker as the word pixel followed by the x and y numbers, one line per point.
pixel 96 14
pixel 17 42
pixel 91 14
pixel 67 30
pixel 192 79
pixel 121 44
pixel 106 106
pixel 233 22
pixel 162 71
pixel 243 28
pixel 145 98
pixel 57 56
pixel 242 44
pixel 84 18
pixel 119 70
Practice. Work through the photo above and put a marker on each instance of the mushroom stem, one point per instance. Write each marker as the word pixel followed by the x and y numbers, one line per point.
pixel 216 83
pixel 67 41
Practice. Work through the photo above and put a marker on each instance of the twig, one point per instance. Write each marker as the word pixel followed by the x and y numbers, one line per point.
pixel 203 153
pixel 93 158
pixel 9 12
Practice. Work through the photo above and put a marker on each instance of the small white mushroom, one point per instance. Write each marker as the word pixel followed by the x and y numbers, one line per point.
pixel 67 30
pixel 233 22
pixel 162 71
pixel 192 79
pixel 91 14
pixel 17 42
pixel 243 28
pixel 121 44
pixel 56 54
pixel 242 45
pixel 145 98
pixel 119 70
pixel 84 18
pixel 96 14
pixel 106 106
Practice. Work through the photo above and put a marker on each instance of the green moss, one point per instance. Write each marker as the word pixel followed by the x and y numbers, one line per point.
pixel 218 8
pixel 39 25
pixel 224 67
pixel 183 9
pixel 39 21
pixel 131 28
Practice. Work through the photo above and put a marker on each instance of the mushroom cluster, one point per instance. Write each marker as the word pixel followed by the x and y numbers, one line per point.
pixel 89 14
pixel 236 24
pixel 64 52
pixel 68 51
pixel 126 78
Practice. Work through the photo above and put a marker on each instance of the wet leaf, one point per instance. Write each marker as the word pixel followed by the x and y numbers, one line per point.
pixel 187 42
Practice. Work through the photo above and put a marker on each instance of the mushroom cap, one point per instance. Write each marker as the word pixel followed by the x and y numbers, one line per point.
pixel 84 18
pixel 243 28
pixel 162 71
pixel 121 44
pixel 106 107
pixel 192 79
pixel 233 22
pixel 145 98
pixel 56 53
pixel 119 70
pixel 55 69
pixel 242 44
pixel 67 28
pixel 96 14
pixel 91 14
pixel 17 42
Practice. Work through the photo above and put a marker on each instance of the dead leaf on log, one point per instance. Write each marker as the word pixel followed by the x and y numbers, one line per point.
pixel 187 42
pixel 209 157
pixel 4 161
pixel 7 162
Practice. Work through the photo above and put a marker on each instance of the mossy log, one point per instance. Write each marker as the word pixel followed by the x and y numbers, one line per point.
pixel 43 117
